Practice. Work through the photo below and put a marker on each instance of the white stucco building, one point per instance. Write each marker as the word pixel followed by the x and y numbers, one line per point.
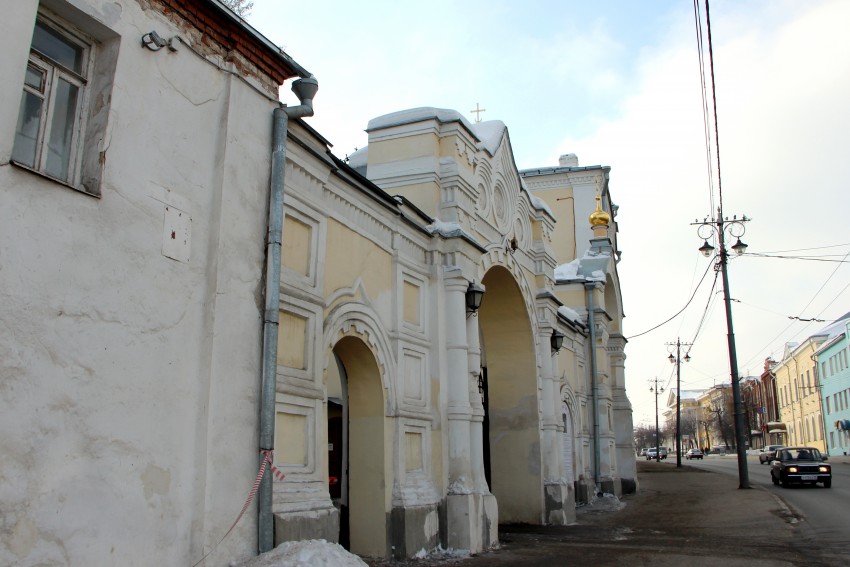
pixel 192 282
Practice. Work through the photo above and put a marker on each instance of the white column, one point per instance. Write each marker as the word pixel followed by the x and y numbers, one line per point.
pixel 459 410
pixel 476 440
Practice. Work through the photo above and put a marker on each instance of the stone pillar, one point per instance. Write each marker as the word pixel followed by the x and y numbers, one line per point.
pixel 462 517
pixel 559 505
pixel 623 424
pixel 484 534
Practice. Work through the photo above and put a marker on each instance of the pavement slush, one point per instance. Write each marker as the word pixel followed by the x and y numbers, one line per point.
pixel 679 516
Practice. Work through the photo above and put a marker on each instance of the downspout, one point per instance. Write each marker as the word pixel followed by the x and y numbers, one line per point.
pixel 591 323
pixel 305 89
pixel 821 407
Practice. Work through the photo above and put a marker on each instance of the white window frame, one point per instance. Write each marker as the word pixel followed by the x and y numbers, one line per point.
pixel 53 72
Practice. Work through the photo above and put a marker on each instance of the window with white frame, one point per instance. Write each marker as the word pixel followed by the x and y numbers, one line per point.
pixel 47 137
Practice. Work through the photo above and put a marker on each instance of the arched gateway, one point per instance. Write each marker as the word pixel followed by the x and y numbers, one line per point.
pixel 410 418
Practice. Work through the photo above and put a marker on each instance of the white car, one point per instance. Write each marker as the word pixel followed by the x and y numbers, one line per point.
pixel 768 453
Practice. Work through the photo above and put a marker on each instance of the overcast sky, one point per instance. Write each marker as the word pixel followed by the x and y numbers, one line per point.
pixel 618 83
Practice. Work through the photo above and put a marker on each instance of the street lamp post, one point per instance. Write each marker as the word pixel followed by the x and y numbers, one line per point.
pixel 718 227
pixel 677 360
pixel 657 390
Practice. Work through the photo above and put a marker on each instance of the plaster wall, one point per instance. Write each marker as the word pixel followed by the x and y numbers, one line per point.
pixel 130 378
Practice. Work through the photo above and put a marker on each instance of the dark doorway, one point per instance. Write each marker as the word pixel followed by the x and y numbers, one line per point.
pixel 337 466
pixel 485 428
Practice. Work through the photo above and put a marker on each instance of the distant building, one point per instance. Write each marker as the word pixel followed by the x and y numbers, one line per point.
pixel 834 373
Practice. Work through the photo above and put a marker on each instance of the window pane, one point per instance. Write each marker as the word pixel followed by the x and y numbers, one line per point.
pixel 35 78
pixel 61 130
pixel 26 134
pixel 57 47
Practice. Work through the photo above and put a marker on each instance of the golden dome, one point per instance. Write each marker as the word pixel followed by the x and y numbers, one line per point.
pixel 599 217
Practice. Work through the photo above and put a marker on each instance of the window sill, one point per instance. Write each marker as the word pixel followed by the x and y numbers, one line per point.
pixel 53 179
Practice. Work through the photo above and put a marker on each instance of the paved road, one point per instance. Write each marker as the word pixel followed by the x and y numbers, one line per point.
pixel 825 524
pixel 689 517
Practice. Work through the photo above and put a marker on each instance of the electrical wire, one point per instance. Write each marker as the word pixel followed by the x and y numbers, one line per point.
pixel 678 312
pixel 714 104
pixel 806 249
pixel 711 297
pixel 705 117
pixel 808 258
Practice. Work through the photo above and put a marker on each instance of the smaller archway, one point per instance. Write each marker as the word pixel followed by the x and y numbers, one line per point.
pixel 356 416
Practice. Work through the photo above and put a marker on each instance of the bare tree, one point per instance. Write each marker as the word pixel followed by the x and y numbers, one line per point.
pixel 241 7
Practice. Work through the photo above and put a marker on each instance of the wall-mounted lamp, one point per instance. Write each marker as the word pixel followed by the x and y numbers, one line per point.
pixel 474 295
pixel 155 42
pixel 557 340
pixel 511 246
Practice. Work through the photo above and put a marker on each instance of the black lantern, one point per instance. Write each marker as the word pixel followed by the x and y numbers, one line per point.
pixel 739 247
pixel 706 249
pixel 474 295
pixel 557 340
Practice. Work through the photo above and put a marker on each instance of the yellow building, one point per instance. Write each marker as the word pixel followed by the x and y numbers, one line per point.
pixel 405 418
pixel 798 395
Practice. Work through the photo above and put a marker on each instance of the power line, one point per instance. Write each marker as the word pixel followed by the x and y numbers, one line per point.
pixel 706 129
pixel 807 249
pixel 809 258
pixel 678 312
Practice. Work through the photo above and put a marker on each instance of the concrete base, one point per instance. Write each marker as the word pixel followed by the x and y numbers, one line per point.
pixel 413 529
pixel 312 524
pixel 630 485
pixel 560 505
pixel 472 522
pixel 611 486
pixel 584 491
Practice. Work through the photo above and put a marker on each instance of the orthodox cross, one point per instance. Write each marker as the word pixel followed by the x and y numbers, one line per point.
pixel 477 111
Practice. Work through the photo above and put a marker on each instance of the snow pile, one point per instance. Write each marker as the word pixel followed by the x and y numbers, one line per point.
pixel 490 133
pixel 359 158
pixel 446 229
pixel 570 314
pixel 417 115
pixel 567 271
pixel 441 554
pixel 308 553
pixel 605 503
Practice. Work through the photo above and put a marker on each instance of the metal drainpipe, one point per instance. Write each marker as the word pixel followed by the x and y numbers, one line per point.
pixel 304 89
pixel 593 371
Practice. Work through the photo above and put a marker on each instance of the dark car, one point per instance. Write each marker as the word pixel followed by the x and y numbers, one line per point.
pixel 693 454
pixel 800 465
pixel 766 455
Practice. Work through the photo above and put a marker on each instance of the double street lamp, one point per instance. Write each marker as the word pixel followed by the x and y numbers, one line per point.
pixel 708 229
pixel 657 390
pixel 677 360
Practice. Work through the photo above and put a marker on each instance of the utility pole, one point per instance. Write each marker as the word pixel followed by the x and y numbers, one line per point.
pixel 718 227
pixel 657 390
pixel 677 360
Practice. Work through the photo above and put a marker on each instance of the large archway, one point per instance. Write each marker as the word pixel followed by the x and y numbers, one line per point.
pixel 356 422
pixel 511 429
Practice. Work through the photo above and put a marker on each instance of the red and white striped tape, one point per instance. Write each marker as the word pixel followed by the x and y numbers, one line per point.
pixel 268 459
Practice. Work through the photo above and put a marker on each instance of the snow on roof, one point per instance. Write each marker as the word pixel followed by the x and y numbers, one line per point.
pixel 570 314
pixel 490 133
pixel 836 328
pixel 591 267
pixel 446 229
pixel 307 553
pixel 359 158
pixel 417 115
pixel 536 201
pixel 568 271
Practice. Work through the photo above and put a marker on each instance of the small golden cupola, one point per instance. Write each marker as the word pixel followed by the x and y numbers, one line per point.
pixel 599 219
